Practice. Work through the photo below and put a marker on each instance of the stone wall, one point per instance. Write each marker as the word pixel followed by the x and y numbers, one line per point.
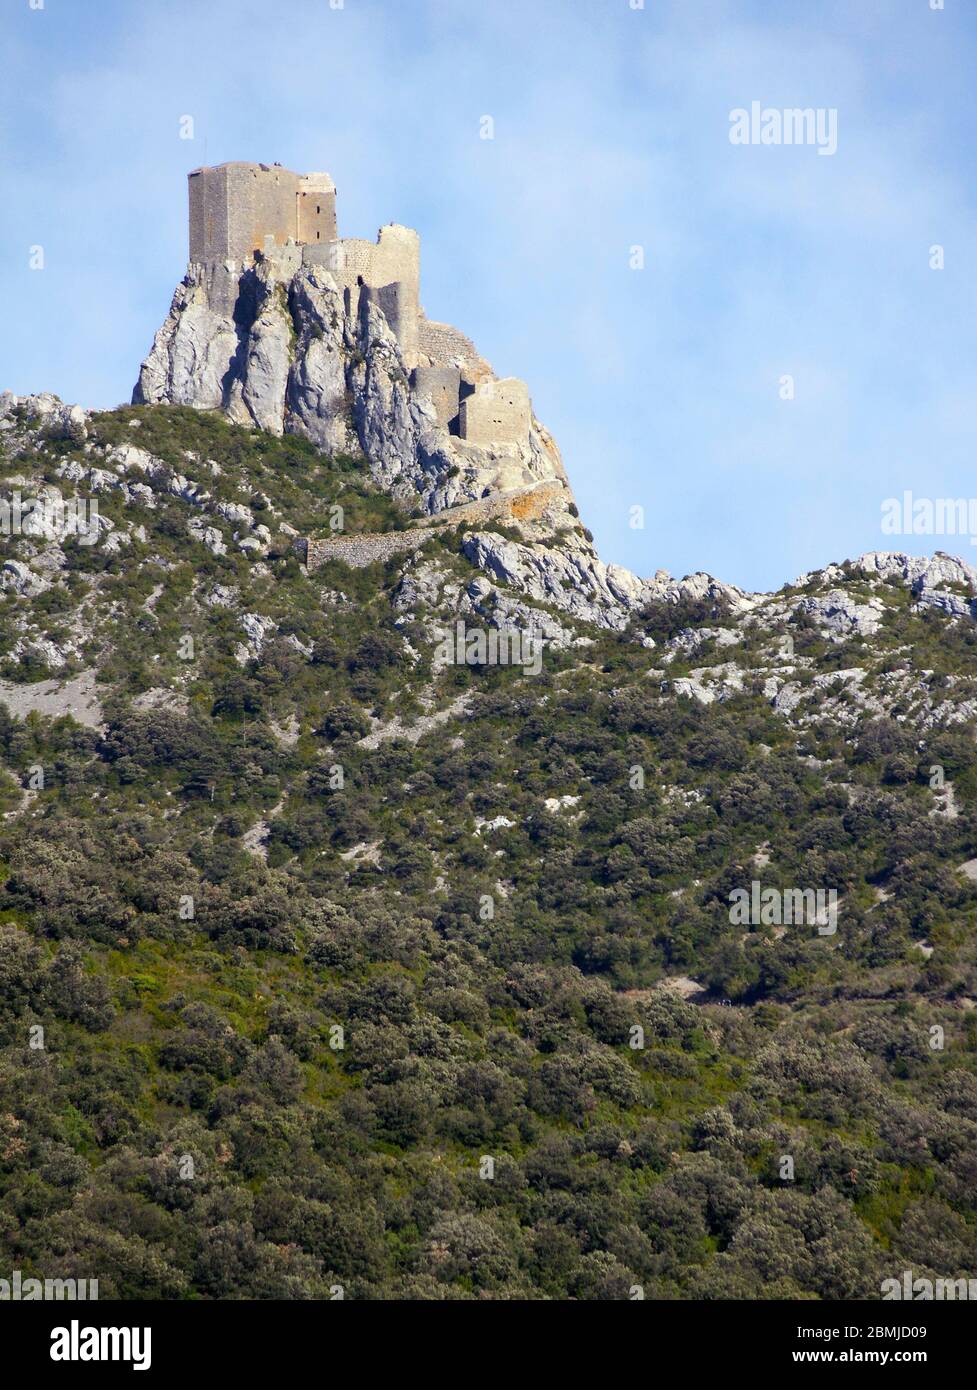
pixel 326 256
pixel 394 258
pixel 261 204
pixel 394 301
pixel 316 210
pixel 208 215
pixel 441 345
pixel 443 386
pixel 521 505
pixel 498 412
pixel 360 551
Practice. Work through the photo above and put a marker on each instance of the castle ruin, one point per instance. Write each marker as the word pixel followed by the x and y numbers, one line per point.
pixel 242 211
pixel 236 208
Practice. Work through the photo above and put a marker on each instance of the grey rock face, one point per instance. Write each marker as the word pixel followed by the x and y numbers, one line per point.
pixel 690 640
pixel 575 579
pixel 919 571
pixel 194 352
pixel 273 346
pixel 317 389
pixel 927 576
pixel 387 419
pixel 837 614
pixel 44 412
pixel 265 360
pixel 426 585
pixel 18 577
pixel 950 603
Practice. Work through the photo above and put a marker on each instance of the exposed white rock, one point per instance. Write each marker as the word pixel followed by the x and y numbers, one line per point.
pixel 46 412
pixel 257 630
pixel 127 457
pixel 496 823
pixel 20 578
pixel 274 346
pixel 724 681
pixel 54 698
pixel 691 639
pixel 207 535
pixel 694 689
pixel 221 596
pixel 571 579
pixel 196 347
pixel 840 616
pixel 415 731
pixel 236 513
pixel 918 571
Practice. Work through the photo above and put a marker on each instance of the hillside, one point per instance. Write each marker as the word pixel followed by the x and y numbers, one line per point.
pixel 314 922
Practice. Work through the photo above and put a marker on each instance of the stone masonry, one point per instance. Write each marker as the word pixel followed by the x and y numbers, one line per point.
pixel 235 209
pixel 442 387
pixel 498 412
pixel 522 506
pixel 359 551
pixel 389 270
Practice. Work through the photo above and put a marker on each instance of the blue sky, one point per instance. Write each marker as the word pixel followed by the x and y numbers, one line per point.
pixel 661 385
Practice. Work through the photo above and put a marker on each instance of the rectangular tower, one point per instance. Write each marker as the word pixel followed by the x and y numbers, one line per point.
pixel 235 208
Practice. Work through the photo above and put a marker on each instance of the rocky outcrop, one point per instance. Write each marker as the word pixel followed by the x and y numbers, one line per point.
pixel 930 578
pixel 840 616
pixel 316 391
pixel 285 344
pixel 572 577
pixel 920 572
pixel 194 352
pixel 574 580
pixel 935 580
pixel 276 345
pixel 43 415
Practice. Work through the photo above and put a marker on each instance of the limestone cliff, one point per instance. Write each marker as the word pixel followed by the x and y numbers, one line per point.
pixel 287 327
pixel 278 345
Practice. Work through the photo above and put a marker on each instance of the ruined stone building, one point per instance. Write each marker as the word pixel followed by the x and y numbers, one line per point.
pixel 236 208
pixel 241 211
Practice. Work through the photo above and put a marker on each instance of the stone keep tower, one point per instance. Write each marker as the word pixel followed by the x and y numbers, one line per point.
pixel 235 208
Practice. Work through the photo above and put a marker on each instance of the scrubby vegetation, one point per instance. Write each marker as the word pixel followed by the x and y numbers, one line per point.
pixel 284 1010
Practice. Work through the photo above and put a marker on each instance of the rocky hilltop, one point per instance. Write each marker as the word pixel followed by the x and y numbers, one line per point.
pixel 289 341
pixel 283 325
pixel 275 345
pixel 274 348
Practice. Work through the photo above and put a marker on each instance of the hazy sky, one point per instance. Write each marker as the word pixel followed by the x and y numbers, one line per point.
pixel 662 385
